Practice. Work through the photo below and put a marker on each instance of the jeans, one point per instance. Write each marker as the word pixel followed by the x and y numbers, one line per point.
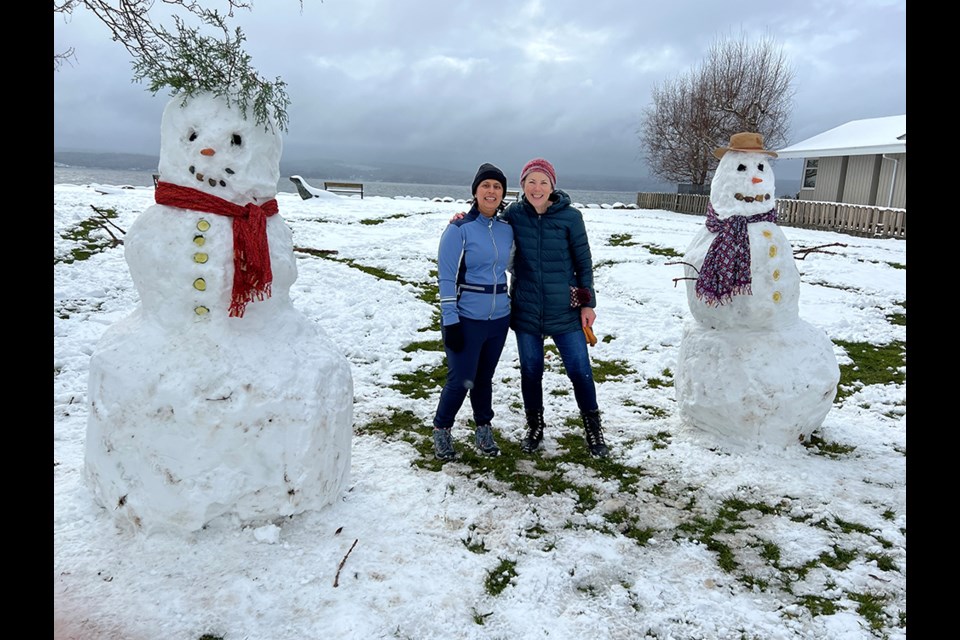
pixel 471 369
pixel 576 361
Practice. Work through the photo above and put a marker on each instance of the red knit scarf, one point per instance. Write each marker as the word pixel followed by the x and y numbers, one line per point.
pixel 252 275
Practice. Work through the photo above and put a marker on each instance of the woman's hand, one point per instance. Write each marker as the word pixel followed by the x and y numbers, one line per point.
pixel 587 316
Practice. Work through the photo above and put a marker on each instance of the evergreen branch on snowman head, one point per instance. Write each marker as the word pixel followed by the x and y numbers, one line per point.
pixel 192 63
pixel 188 62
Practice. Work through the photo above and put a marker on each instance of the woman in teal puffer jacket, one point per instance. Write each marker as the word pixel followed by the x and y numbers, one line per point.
pixel 552 295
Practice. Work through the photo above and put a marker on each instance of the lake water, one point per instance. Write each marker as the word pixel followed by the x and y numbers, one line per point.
pixel 117 177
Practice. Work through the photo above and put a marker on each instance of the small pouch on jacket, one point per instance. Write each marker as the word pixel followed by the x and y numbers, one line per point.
pixel 579 296
pixel 591 339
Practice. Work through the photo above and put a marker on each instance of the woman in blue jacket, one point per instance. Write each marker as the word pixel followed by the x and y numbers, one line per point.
pixel 475 308
pixel 552 294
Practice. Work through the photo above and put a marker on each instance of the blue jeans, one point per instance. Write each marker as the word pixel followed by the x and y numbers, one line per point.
pixel 576 361
pixel 471 369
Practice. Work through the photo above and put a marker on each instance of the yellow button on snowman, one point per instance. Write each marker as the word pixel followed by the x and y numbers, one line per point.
pixel 750 370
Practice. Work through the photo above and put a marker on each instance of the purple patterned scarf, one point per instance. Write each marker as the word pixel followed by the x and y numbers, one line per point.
pixel 726 267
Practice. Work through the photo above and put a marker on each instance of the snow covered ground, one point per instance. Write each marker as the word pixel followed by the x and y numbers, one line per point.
pixel 677 536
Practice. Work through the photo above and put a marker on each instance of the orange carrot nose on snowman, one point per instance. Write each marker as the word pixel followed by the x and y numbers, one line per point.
pixel 754 180
pixel 207 152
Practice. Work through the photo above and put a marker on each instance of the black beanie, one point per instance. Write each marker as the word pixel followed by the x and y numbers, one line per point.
pixel 485 172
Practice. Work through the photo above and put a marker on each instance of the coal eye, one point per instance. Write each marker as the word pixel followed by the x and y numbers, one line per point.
pixel 741 167
pixel 760 166
pixel 193 136
pixel 236 140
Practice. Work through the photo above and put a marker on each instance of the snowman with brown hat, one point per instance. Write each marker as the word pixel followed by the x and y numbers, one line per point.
pixel 750 370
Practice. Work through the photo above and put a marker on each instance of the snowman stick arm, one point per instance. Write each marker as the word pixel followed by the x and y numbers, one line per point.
pixel 685 264
pixel 800 254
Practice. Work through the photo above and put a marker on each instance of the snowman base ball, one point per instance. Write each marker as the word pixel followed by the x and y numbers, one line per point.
pixel 251 428
pixel 756 387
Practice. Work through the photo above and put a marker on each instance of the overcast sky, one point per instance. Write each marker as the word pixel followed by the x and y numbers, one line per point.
pixel 455 84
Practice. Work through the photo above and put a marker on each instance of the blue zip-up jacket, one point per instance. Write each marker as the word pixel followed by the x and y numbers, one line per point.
pixel 552 254
pixel 474 250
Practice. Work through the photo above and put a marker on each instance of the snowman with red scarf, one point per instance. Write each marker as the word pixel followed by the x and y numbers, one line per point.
pixel 750 370
pixel 216 398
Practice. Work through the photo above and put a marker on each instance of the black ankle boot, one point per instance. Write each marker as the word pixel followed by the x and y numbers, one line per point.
pixel 534 435
pixel 594 434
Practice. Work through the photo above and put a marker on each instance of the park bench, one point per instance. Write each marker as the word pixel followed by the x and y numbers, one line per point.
pixel 345 188
pixel 512 195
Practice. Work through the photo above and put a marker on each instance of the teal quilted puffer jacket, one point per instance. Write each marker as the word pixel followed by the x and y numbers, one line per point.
pixel 551 254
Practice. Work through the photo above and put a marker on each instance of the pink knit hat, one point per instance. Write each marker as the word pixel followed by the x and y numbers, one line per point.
pixel 541 165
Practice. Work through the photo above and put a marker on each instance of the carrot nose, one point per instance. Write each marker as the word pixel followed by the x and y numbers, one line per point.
pixel 207 152
pixel 753 180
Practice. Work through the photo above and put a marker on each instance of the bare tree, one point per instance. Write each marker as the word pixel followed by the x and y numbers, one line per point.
pixel 740 86
pixel 185 60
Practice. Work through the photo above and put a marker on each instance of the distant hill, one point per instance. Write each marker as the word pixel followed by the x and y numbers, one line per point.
pixel 121 161
pixel 387 172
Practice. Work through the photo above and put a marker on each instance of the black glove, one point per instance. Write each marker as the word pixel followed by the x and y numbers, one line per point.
pixel 453 337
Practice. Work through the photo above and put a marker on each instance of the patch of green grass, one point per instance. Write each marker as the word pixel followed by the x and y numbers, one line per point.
pixel 656 412
pixel 818 605
pixel 474 546
pixel 428 292
pixel 704 530
pixel 851 527
pixel 397 425
pixel 752 582
pixel 830 449
pixel 627 524
pixel 870 606
pixel 871 365
pixel 840 559
pixel 660 439
pixel 899 319
pixel 424 345
pixel 499 578
pixel 884 562
pixel 658 383
pixel 480 618
pixel 621 240
pixel 770 552
pixel 94 235
pixel 604 370
pixel 317 253
pixel 662 251
pixel 422 383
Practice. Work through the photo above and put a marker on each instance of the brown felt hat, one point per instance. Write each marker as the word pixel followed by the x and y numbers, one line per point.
pixel 744 141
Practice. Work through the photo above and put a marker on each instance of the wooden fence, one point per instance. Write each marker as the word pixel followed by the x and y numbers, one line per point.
pixel 853 219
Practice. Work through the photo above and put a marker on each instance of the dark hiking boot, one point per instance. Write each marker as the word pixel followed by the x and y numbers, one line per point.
pixel 443 444
pixel 534 436
pixel 485 442
pixel 594 434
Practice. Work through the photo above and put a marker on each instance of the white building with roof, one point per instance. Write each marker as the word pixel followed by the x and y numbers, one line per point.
pixel 860 162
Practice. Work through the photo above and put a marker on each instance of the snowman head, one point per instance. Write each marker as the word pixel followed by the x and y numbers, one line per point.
pixel 208 144
pixel 743 183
